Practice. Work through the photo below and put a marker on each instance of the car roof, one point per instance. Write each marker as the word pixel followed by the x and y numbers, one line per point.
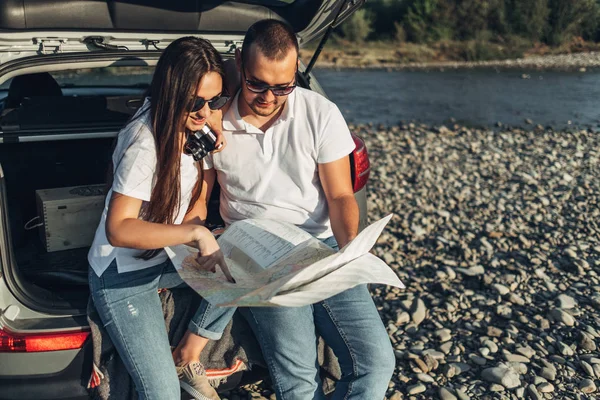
pixel 35 29
pixel 206 16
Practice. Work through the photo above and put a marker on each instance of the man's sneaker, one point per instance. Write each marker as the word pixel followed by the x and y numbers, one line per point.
pixel 192 379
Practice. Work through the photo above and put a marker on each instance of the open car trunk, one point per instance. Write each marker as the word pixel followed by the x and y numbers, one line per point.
pixel 52 142
pixel 46 165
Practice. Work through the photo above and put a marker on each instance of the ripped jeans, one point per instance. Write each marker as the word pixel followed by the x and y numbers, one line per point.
pixel 130 309
pixel 348 322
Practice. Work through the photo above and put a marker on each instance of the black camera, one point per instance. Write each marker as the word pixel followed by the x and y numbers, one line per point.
pixel 200 143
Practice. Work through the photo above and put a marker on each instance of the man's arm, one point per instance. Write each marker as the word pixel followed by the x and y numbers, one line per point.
pixel 343 209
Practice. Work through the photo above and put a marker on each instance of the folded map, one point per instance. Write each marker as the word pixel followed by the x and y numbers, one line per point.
pixel 278 264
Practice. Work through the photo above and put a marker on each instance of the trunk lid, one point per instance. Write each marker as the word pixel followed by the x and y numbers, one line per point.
pixel 40 27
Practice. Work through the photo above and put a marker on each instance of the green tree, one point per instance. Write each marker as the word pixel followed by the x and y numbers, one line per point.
pixel 498 22
pixel 590 27
pixel 429 20
pixel 425 21
pixel 358 27
pixel 386 15
pixel 528 18
pixel 568 17
pixel 472 17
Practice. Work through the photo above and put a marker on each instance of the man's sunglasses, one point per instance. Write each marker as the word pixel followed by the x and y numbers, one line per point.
pixel 215 103
pixel 259 87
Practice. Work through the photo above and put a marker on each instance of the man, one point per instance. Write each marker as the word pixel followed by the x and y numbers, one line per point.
pixel 287 159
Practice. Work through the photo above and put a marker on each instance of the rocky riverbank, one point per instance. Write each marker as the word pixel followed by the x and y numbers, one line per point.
pixel 496 235
pixel 395 61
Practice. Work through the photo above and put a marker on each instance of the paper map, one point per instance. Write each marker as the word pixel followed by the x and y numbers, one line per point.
pixel 277 264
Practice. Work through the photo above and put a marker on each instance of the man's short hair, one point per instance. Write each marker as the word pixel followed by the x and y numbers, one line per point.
pixel 272 37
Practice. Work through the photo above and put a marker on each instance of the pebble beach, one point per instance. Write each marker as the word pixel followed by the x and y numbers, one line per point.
pixel 496 235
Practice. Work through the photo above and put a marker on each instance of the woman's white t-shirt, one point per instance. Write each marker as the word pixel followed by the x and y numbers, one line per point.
pixel 134 163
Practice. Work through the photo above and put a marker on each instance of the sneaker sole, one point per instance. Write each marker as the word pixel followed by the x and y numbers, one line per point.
pixel 193 392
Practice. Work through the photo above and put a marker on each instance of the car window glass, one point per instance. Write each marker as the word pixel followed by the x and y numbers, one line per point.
pixel 105 77
pixel 86 98
pixel 5 85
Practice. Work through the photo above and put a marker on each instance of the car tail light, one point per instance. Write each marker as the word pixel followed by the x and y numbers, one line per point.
pixel 360 164
pixel 29 343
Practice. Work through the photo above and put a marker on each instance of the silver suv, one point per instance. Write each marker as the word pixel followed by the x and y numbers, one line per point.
pixel 71 74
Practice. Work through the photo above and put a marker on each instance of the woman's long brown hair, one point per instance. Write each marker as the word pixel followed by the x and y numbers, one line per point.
pixel 172 92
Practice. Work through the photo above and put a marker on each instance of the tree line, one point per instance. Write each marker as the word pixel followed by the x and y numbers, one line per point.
pixel 552 22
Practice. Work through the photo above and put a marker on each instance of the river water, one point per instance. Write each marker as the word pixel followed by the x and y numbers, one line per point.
pixel 480 97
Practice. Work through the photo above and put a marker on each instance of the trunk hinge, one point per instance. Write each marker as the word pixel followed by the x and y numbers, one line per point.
pixel 98 42
pixel 50 45
pixel 313 60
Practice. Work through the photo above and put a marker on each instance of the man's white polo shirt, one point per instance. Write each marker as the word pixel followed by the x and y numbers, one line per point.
pixel 274 174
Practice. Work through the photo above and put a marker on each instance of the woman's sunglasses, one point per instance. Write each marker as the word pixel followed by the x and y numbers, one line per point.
pixel 259 87
pixel 214 104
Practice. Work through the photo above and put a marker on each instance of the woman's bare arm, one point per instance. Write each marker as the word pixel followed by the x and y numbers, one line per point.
pixel 125 229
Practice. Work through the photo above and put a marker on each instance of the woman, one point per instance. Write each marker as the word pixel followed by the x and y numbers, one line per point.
pixel 156 200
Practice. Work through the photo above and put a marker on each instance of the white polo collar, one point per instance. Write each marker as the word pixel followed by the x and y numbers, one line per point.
pixel 232 121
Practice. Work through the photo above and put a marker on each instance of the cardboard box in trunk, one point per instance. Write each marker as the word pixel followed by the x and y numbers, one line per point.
pixel 70 215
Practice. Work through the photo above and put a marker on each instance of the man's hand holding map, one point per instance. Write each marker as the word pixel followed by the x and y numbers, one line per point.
pixel 277 264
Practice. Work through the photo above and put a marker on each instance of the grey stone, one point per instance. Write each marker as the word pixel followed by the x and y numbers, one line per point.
pixel 596 368
pixel 443 335
pixel 526 351
pixel 586 342
pixel 515 358
pixel 425 378
pixel 503 376
pixel 495 387
pixel 491 345
pixel 477 359
pixel 418 311
pixel 462 395
pixel 545 387
pixel 402 317
pixel 565 350
pixel 562 316
pixel 416 389
pixel 588 369
pixel 445 348
pixel 565 302
pixel 446 394
pixel 533 392
pixel 587 386
pixel 472 271
pixel 516 299
pixel 501 289
pixel 396 396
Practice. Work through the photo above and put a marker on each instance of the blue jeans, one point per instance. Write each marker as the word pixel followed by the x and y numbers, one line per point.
pixel 348 322
pixel 130 309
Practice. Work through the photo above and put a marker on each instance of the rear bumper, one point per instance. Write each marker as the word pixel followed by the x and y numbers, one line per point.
pixel 65 383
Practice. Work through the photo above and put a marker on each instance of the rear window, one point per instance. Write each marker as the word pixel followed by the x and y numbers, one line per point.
pixel 89 97
pixel 269 2
pixel 105 77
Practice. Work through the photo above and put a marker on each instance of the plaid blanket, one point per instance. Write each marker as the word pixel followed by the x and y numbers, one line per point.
pixel 225 360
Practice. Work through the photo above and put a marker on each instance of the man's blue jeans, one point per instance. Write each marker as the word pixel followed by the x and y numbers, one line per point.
pixel 348 322
pixel 130 309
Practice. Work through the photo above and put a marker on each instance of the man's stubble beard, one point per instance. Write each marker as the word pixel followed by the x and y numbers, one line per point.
pixel 260 112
